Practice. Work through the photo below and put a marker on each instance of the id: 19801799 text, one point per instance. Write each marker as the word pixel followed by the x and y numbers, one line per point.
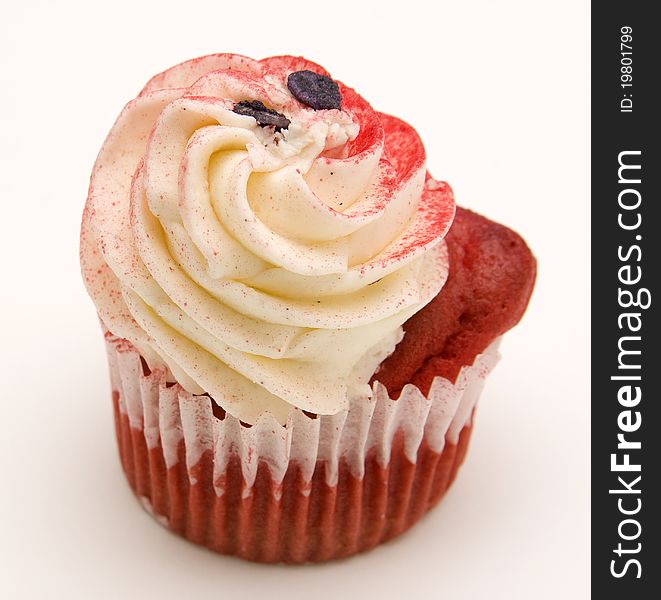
pixel 626 69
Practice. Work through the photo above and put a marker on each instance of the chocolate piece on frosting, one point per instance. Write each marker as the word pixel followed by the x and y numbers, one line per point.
pixel 314 90
pixel 262 114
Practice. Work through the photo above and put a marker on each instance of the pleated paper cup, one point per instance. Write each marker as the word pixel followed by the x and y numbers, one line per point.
pixel 315 489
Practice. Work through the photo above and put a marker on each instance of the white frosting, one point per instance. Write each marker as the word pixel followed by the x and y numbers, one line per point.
pixel 270 270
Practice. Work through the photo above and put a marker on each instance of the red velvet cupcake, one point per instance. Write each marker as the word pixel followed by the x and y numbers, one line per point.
pixel 298 320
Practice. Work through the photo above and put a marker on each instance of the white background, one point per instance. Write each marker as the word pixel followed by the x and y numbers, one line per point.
pixel 498 92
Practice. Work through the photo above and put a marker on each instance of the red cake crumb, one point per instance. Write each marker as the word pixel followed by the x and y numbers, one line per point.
pixel 491 277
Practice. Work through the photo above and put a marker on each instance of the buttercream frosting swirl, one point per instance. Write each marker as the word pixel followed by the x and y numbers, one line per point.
pixel 270 269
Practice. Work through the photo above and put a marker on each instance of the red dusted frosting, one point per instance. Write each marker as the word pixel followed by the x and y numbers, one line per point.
pixel 269 269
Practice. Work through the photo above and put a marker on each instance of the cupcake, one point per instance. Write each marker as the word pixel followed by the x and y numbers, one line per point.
pixel 298 319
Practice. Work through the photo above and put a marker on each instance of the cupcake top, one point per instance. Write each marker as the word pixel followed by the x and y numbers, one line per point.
pixel 257 230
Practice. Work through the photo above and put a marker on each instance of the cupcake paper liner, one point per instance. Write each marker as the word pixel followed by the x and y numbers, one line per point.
pixel 310 490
